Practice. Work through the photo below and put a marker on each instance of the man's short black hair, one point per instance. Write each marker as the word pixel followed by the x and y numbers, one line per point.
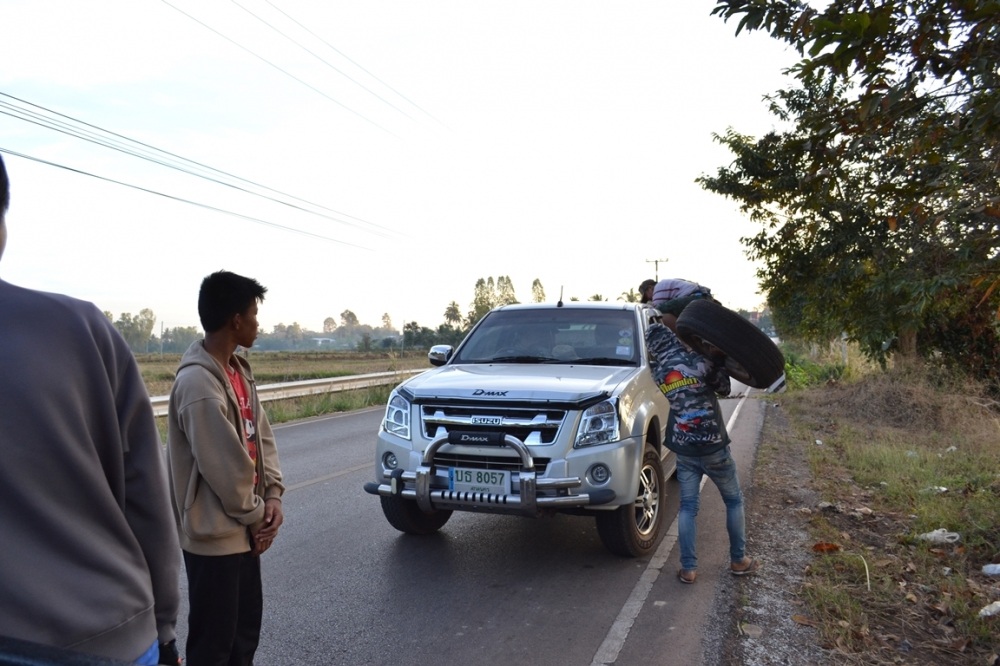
pixel 224 294
pixel 4 188
pixel 646 284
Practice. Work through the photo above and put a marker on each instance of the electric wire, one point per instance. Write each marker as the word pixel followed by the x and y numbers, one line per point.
pixel 325 62
pixel 354 62
pixel 181 199
pixel 283 71
pixel 115 141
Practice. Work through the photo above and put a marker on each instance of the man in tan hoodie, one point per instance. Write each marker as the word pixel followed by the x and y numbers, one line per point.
pixel 224 475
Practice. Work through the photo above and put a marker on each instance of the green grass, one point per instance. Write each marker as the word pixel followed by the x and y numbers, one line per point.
pixel 888 442
pixel 280 367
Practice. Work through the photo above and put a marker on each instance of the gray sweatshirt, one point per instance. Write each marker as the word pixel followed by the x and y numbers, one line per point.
pixel 89 558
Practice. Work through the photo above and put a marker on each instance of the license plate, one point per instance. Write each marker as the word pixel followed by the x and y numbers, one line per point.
pixel 479 480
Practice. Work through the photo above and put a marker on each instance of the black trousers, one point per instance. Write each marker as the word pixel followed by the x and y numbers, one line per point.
pixel 226 606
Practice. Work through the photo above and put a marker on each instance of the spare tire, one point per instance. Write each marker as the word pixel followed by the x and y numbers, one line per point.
pixel 751 356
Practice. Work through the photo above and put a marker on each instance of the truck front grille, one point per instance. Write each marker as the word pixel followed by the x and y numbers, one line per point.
pixel 511 464
pixel 533 426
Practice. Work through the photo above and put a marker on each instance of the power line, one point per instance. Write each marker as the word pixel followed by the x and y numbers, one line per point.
pixel 150 153
pixel 355 63
pixel 283 71
pixel 180 199
pixel 328 64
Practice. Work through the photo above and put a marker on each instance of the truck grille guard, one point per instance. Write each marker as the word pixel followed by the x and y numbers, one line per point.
pixel 417 485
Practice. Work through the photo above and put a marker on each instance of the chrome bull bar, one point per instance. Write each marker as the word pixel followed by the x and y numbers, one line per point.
pixel 417 485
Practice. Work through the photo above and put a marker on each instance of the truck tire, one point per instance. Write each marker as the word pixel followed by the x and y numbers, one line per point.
pixel 406 516
pixel 633 530
pixel 714 330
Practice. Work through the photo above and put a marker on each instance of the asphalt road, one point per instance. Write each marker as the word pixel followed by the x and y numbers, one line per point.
pixel 341 586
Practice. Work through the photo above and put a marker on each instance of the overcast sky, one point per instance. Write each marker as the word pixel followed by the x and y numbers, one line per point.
pixel 442 141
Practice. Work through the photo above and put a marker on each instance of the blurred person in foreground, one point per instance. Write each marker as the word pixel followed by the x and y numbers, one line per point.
pixel 224 474
pixel 697 435
pixel 90 559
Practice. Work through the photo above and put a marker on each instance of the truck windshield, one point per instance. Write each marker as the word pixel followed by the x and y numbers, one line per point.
pixel 554 335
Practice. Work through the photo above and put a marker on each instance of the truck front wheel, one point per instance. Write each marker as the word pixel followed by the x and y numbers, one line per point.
pixel 633 530
pixel 406 516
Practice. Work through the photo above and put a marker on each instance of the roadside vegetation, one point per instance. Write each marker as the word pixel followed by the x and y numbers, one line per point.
pixel 276 367
pixel 895 455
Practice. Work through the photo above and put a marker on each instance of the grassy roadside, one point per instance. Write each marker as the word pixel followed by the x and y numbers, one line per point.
pixel 275 367
pixel 896 455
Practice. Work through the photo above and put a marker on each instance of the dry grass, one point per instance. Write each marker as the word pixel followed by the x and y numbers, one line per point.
pixel 276 367
pixel 896 455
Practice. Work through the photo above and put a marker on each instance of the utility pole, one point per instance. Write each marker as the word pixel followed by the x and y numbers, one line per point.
pixel 656 267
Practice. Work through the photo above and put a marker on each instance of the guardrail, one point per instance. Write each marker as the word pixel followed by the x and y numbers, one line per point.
pixel 286 390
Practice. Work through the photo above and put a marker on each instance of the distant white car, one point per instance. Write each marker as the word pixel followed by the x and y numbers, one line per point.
pixel 542 408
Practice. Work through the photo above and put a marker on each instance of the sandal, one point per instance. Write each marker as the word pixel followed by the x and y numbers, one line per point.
pixel 686 576
pixel 750 565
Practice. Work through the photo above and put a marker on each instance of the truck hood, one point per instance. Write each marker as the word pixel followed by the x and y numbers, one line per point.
pixel 546 383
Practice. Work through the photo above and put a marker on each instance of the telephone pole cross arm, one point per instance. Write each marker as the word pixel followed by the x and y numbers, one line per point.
pixel 656 267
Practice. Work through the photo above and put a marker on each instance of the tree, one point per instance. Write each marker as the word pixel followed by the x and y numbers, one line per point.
pixel 386 321
pixel 415 335
pixel 630 296
pixel 453 314
pixel 348 319
pixel 294 333
pixel 488 295
pixel 597 297
pixel 900 54
pixel 537 292
pixel 505 291
pixel 329 325
pixel 449 334
pixel 178 339
pixel 136 329
pixel 880 205
pixel 483 300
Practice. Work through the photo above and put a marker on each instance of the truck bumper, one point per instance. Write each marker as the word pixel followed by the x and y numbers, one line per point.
pixel 532 496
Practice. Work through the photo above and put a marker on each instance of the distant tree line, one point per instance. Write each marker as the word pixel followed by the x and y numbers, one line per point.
pixel 347 332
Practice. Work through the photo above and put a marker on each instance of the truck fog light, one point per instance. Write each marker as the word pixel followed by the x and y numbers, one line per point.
pixel 389 460
pixel 600 473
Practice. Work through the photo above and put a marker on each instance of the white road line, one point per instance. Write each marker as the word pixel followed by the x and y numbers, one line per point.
pixel 334 475
pixel 613 643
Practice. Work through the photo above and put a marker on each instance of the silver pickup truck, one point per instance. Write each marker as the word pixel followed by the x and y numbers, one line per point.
pixel 542 408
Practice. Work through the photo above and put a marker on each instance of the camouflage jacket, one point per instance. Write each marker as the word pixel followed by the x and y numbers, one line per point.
pixel 692 384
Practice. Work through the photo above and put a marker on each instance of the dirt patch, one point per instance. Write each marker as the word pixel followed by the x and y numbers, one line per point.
pixel 766 609
pixel 783 503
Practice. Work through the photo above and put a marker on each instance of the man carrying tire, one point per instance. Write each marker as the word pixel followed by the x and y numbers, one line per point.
pixel 671 295
pixel 697 435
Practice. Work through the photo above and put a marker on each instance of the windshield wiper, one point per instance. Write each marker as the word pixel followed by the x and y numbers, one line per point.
pixel 524 358
pixel 602 360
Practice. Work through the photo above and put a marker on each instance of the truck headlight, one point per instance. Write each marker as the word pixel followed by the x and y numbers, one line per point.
pixel 397 416
pixel 599 425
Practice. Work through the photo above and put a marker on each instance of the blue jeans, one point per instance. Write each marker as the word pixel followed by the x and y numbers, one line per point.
pixel 721 469
pixel 150 657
